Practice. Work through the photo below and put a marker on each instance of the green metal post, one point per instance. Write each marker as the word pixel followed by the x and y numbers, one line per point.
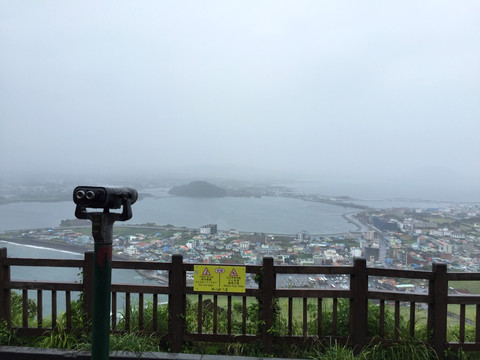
pixel 102 228
pixel 102 231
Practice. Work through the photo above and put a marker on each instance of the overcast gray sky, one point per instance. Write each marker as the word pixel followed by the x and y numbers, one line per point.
pixel 354 88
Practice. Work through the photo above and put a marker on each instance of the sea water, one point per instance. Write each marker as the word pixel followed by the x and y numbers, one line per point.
pixel 36 273
pixel 265 214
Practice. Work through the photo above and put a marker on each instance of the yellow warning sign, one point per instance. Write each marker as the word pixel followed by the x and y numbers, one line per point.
pixel 219 278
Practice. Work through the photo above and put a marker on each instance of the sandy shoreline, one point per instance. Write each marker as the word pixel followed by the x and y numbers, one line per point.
pixel 147 274
pixel 53 245
pixel 48 244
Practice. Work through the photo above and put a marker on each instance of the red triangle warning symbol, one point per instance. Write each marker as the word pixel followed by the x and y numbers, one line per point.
pixel 233 273
pixel 206 272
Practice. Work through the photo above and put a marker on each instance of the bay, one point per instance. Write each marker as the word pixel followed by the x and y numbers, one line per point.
pixel 265 214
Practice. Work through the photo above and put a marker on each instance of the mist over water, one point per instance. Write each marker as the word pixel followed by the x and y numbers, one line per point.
pixel 459 191
pixel 363 100
pixel 266 214
pixel 338 91
pixel 32 215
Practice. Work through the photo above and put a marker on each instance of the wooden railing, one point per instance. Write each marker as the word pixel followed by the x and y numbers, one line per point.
pixel 286 315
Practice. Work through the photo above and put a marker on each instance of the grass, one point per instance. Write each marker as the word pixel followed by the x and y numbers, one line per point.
pixel 398 351
pixel 470 312
pixel 440 220
pixel 282 326
pixel 472 286
pixel 334 352
pixel 148 339
pixel 134 315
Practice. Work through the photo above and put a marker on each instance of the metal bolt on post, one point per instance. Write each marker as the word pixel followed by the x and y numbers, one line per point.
pixel 102 231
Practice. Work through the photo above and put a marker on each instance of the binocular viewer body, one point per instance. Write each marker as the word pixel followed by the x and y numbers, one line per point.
pixel 103 197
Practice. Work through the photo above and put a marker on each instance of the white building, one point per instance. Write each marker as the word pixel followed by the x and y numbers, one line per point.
pixel 244 245
pixel 209 229
pixel 444 247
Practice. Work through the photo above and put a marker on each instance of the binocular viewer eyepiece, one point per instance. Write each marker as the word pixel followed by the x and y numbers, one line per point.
pixel 103 197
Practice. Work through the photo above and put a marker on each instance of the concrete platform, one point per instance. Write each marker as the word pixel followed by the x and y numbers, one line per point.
pixel 27 353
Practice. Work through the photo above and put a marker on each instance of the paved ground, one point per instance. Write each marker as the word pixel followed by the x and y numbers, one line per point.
pixel 23 353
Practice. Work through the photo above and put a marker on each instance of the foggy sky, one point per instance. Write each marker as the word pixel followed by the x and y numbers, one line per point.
pixel 371 89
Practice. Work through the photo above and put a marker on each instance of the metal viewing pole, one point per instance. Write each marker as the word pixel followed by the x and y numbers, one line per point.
pixel 102 231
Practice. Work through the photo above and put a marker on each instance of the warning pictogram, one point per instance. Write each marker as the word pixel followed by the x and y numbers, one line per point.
pixel 233 273
pixel 206 272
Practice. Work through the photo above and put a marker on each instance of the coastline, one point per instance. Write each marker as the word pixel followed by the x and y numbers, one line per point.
pixel 80 250
pixel 53 245
pixel 316 221
pixel 360 226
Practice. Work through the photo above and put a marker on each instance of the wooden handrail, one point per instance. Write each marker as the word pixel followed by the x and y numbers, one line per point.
pixel 358 296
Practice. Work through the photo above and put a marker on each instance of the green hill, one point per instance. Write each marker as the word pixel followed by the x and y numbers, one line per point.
pixel 198 189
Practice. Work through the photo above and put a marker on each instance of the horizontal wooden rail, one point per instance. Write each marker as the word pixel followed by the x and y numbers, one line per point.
pixel 141 265
pixel 310 314
pixel 400 296
pixel 248 292
pixel 404 274
pixel 44 285
pixel 334 270
pixel 140 289
pixel 464 299
pixel 313 293
pixel 43 262
pixel 463 276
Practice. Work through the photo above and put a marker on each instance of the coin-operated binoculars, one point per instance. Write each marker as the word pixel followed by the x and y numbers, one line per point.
pixel 105 198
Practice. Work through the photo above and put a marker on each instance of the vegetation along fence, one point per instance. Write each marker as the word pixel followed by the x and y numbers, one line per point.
pixel 267 313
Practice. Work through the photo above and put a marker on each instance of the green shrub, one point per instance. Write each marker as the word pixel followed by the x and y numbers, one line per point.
pixel 398 351
pixel 60 338
pixel 162 318
pixel 252 325
pixel 17 309
pixel 334 352
pixel 135 342
pixel 6 335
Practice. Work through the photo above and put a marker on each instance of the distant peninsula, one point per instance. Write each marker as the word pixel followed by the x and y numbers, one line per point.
pixel 198 189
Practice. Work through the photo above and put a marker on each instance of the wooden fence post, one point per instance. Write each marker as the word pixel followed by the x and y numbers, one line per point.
pixel 437 309
pixel 358 318
pixel 5 298
pixel 268 286
pixel 88 283
pixel 176 302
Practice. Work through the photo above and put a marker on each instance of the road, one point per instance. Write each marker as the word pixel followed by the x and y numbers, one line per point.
pixel 360 226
